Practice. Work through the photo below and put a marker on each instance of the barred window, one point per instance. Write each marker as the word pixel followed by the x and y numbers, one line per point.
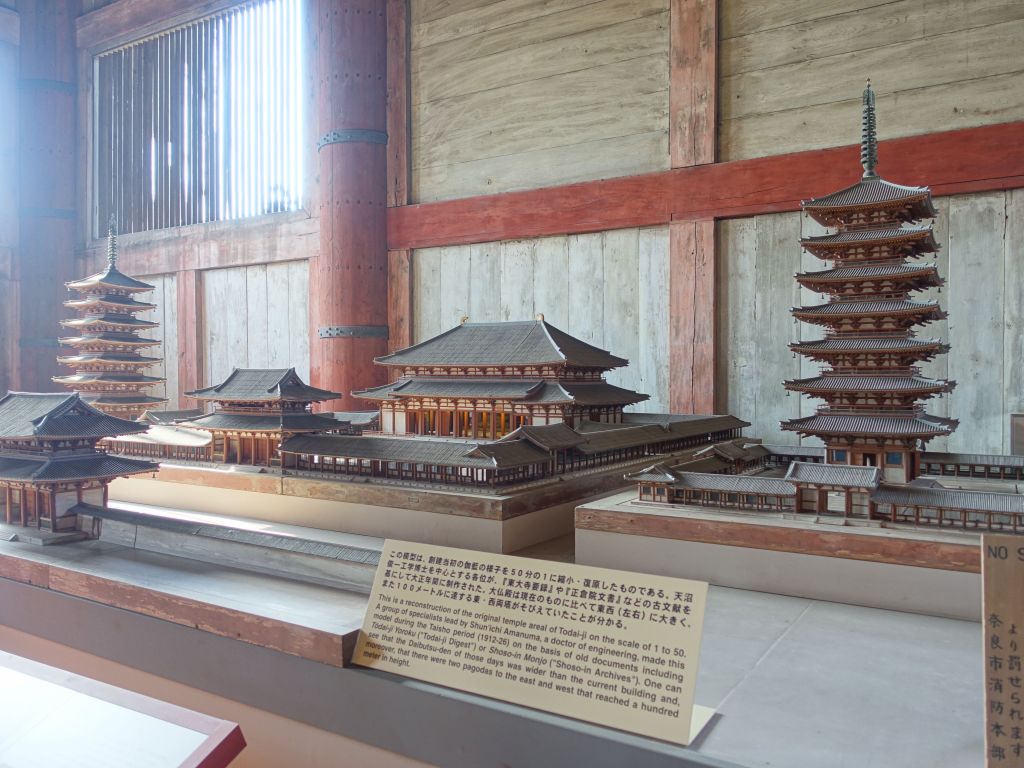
pixel 203 122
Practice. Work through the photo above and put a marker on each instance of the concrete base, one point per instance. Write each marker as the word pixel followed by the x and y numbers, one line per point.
pixel 897 570
pixel 439 526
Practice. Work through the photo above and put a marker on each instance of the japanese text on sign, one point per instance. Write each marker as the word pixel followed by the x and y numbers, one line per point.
pixel 610 647
pixel 1003 611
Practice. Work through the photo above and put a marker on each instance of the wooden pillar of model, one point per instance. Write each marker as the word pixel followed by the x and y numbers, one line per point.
pixel 46 174
pixel 348 295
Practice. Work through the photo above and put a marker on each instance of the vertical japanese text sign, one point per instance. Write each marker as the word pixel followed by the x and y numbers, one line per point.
pixel 1002 571
pixel 610 647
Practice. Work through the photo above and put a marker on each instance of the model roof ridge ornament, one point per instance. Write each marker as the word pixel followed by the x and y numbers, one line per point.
pixel 868 135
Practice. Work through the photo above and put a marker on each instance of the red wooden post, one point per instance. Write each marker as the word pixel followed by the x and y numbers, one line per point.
pixel 348 292
pixel 48 139
pixel 692 308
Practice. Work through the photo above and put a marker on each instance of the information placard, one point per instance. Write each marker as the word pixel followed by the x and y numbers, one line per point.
pixel 610 647
pixel 1002 573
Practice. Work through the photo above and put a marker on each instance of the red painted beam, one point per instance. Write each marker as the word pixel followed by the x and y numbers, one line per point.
pixel 950 162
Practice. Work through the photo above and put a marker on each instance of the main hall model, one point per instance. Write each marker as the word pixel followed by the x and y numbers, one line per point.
pixel 484 404
pixel 872 424
pixel 109 367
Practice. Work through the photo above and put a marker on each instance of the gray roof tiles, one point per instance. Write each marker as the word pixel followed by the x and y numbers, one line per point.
pixel 839 475
pixel 757 484
pixel 30 414
pixel 869 191
pixel 54 469
pixel 263 385
pixel 515 344
pixel 921 425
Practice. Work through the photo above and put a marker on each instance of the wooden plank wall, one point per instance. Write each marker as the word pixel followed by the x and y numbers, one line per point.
pixel 983 247
pixel 256 317
pixel 165 296
pixel 609 289
pixel 518 94
pixel 792 71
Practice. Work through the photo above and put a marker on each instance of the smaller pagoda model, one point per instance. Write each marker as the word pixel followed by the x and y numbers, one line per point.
pixel 51 470
pixel 255 409
pixel 872 385
pixel 109 368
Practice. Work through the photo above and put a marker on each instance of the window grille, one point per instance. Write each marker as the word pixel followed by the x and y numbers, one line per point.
pixel 203 122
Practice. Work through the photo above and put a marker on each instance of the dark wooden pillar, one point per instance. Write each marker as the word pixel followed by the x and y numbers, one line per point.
pixel 348 289
pixel 47 170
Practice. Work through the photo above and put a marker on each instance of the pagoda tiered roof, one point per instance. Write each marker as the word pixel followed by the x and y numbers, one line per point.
pixel 912 240
pixel 108 368
pixel 116 303
pixel 107 340
pixel 263 385
pixel 918 425
pixel 925 310
pixel 872 193
pixel 872 384
pixel 906 276
pixel 861 383
pixel 63 469
pixel 504 345
pixel 109 278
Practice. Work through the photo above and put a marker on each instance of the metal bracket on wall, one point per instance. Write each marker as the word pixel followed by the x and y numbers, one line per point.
pixel 352 135
pixel 353 332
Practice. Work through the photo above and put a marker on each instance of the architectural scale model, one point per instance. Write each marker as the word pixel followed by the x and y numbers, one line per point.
pixel 50 464
pixel 492 404
pixel 484 404
pixel 107 360
pixel 872 424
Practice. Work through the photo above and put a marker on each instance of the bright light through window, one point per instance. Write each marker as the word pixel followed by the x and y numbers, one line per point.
pixel 202 123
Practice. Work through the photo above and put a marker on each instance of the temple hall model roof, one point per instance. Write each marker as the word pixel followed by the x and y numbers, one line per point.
pixel 525 343
pixel 263 385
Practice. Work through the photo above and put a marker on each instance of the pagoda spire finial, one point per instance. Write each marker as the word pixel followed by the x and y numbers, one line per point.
pixel 112 241
pixel 868 139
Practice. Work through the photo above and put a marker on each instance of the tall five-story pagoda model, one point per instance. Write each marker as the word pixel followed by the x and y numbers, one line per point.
pixel 107 360
pixel 871 383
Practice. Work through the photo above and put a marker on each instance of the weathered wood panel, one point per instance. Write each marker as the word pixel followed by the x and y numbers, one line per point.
pixel 975 303
pixel 610 289
pixel 165 297
pixel 517 94
pixel 791 72
pixel 1013 296
pixel 981 238
pixel 256 317
pixel 693 82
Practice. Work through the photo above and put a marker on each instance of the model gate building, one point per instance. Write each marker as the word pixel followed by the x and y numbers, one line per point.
pixel 49 460
pixel 109 367
pixel 872 386
pixel 255 409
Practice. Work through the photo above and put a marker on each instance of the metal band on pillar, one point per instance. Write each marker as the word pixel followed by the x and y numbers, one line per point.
pixel 352 136
pixel 353 332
